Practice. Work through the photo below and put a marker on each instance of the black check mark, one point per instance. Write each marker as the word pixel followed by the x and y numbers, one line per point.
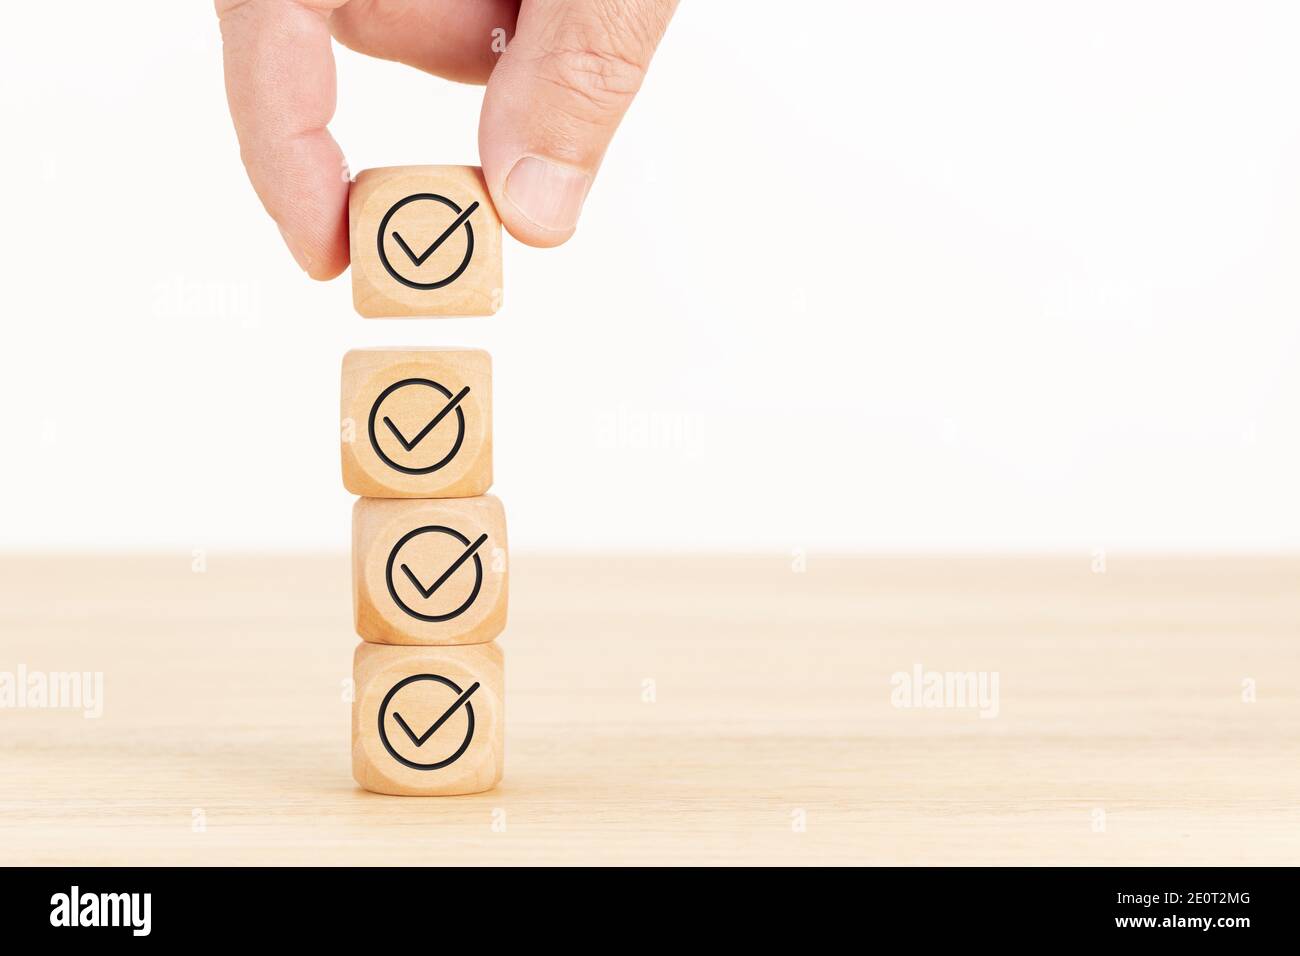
pixel 450 406
pixel 426 592
pixel 419 260
pixel 419 741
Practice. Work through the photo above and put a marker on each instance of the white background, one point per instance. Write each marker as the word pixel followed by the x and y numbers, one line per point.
pixel 856 277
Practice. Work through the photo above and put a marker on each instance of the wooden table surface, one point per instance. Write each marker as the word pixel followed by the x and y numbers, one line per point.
pixel 670 709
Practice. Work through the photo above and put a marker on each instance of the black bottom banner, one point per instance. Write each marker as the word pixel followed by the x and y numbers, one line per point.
pixel 1225 907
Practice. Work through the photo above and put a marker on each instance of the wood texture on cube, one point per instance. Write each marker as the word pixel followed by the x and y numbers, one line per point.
pixel 429 571
pixel 428 721
pixel 416 422
pixel 425 241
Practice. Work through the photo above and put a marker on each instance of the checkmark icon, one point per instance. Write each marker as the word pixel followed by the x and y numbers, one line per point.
pixel 420 740
pixel 420 259
pixel 447 409
pixel 455 565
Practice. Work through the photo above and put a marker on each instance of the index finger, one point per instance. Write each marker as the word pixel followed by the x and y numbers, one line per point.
pixel 281 86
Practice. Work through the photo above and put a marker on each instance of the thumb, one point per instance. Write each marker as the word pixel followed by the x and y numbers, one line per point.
pixel 553 102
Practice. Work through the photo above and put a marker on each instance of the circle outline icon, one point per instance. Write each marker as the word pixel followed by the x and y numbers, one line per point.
pixel 392 588
pixel 374 439
pixel 383 255
pixel 383 712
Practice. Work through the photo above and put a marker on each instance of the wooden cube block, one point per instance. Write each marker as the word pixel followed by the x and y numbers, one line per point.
pixel 425 240
pixel 429 571
pixel 428 721
pixel 417 422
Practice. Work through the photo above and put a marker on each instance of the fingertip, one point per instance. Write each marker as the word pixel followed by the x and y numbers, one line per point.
pixel 280 83
pixel 538 195
pixel 552 104
pixel 543 200
pixel 320 256
pixel 327 269
pixel 530 235
pixel 307 197
pixel 539 198
pixel 300 254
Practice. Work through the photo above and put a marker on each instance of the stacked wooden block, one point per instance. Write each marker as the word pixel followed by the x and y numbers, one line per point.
pixel 429 569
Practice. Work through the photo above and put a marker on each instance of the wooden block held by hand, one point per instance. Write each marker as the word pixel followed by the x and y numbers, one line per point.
pixel 425 240
pixel 428 721
pixel 417 422
pixel 429 571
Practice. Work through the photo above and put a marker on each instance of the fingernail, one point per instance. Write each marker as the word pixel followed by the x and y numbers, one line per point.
pixel 300 257
pixel 549 195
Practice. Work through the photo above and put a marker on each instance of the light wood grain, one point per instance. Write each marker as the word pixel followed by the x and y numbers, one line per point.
pixel 1119 692
pixel 446 268
pixel 437 401
pixel 430 538
pixel 426 687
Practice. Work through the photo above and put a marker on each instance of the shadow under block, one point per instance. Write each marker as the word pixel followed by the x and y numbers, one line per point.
pixel 428 721
pixel 429 571
pixel 425 241
pixel 416 422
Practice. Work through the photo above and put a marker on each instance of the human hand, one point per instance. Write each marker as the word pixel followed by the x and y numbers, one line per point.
pixel 553 99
